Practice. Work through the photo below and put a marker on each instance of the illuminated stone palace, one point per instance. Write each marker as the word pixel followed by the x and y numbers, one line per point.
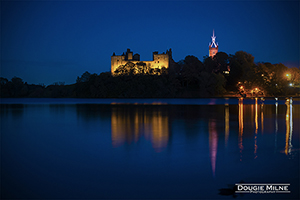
pixel 213 46
pixel 159 60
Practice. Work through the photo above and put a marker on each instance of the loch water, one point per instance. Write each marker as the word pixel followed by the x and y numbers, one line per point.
pixel 147 148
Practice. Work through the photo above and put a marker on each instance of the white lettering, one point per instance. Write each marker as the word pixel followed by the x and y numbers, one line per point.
pixel 263 188
pixel 240 187
pixel 269 187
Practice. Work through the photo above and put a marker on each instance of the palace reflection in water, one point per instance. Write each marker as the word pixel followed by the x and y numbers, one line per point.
pixel 130 124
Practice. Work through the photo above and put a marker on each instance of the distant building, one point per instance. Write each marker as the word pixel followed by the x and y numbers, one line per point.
pixel 159 60
pixel 213 47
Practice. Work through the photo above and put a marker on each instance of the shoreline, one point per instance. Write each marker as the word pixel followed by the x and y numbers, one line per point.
pixel 150 101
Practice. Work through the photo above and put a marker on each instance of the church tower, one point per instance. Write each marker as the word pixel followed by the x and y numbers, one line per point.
pixel 213 47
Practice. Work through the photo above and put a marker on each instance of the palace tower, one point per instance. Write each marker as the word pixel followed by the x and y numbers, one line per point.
pixel 213 46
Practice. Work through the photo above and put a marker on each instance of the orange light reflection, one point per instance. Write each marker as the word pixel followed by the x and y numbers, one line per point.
pixel 130 125
pixel 256 128
pixel 262 118
pixel 241 127
pixel 226 124
pixel 289 127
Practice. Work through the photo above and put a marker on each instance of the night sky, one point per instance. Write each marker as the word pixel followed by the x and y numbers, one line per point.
pixel 56 41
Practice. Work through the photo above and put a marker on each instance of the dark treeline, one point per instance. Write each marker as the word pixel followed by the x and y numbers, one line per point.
pixel 222 75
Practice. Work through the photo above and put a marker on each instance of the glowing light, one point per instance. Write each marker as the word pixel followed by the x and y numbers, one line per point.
pixel 291 84
pixel 213 39
pixel 288 76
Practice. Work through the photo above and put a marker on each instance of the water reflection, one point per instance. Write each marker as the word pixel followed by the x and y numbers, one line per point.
pixel 256 116
pixel 262 117
pixel 16 111
pixel 245 118
pixel 226 124
pixel 289 126
pixel 241 127
pixel 130 124
pixel 256 128
pixel 73 144
pixel 276 125
pixel 213 144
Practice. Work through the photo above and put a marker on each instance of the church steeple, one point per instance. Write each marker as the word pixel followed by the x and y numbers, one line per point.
pixel 213 46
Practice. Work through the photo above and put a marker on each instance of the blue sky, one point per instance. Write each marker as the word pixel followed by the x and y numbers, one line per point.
pixel 51 41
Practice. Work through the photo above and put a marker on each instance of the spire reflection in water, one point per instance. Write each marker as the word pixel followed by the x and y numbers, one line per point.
pixel 213 145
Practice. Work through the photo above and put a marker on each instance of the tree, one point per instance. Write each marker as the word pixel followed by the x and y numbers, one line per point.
pixel 222 62
pixel 191 70
pixel 17 87
pixel 127 69
pixel 235 75
pixel 17 81
pixel 294 75
pixel 211 83
pixel 3 81
pixel 209 64
pixel 142 68
pixel 84 77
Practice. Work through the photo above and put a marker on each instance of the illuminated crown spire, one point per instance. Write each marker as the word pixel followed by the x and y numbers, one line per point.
pixel 213 47
pixel 213 39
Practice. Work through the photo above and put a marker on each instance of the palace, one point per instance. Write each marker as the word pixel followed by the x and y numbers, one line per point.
pixel 159 60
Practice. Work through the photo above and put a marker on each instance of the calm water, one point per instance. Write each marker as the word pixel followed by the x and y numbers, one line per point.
pixel 154 149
